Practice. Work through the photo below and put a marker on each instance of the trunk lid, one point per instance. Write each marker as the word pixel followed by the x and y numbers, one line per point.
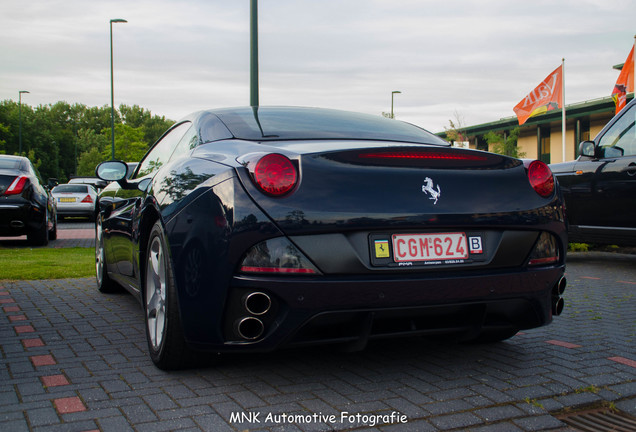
pixel 398 186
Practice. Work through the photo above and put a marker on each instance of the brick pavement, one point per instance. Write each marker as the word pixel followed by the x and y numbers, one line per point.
pixel 75 360
pixel 70 233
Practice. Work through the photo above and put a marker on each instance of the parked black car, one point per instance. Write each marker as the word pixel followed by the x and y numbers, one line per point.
pixel 599 187
pixel 26 207
pixel 252 228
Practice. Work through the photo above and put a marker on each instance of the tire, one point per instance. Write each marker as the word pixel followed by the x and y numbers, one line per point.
pixel 40 236
pixel 53 231
pixel 164 333
pixel 104 283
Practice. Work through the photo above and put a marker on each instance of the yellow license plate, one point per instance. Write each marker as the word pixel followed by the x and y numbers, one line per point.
pixel 67 200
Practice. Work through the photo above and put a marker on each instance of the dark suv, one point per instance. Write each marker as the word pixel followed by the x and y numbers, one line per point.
pixel 600 186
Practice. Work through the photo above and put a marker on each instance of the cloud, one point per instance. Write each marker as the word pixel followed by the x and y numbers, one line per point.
pixel 475 57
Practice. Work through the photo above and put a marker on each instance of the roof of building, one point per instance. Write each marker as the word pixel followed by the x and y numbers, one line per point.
pixel 573 111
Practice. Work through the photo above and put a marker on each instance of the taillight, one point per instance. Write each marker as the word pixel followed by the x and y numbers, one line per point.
pixel 88 199
pixel 540 177
pixel 275 174
pixel 447 155
pixel 17 186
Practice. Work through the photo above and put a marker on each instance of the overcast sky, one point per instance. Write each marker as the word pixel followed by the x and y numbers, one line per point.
pixel 475 59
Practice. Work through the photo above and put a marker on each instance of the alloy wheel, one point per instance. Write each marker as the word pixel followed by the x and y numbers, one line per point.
pixel 155 294
pixel 99 253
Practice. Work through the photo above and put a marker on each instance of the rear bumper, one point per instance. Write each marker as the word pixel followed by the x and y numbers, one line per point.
pixel 19 218
pixel 356 310
pixel 75 209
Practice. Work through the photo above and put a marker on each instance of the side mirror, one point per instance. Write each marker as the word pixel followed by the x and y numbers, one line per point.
pixel 587 148
pixel 111 170
pixel 613 152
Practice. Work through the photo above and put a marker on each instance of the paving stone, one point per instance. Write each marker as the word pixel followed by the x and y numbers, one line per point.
pixel 211 423
pixel 42 416
pixel 139 413
pixel 495 414
pixel 114 424
pixel 538 423
pixel 455 421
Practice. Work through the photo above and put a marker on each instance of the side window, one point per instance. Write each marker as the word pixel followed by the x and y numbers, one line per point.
pixel 189 141
pixel 161 152
pixel 620 139
pixel 35 172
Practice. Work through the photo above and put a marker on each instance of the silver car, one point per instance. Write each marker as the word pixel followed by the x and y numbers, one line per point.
pixel 75 200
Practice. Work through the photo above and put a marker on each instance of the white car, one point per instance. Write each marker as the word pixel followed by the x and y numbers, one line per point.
pixel 75 200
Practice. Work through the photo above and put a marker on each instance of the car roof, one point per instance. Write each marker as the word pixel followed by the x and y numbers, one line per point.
pixel 301 123
pixel 20 163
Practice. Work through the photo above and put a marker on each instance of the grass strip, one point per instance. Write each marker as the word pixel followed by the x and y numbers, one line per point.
pixel 46 263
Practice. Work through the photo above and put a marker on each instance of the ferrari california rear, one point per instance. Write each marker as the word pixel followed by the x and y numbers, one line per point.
pixel 250 229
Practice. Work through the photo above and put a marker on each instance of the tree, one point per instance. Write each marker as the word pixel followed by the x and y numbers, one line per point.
pixel 91 147
pixel 152 126
pixel 454 133
pixel 63 136
pixel 3 130
pixel 130 145
pixel 89 160
pixel 505 144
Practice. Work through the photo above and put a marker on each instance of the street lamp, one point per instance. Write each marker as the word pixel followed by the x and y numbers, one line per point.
pixel 112 89
pixel 20 121
pixel 392 94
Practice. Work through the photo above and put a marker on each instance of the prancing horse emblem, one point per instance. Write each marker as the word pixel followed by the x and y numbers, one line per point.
pixel 427 188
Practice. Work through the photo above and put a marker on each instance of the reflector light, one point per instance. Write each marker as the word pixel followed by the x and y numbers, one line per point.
pixel 17 186
pixel 543 261
pixel 87 199
pixel 545 252
pixel 248 269
pixel 540 178
pixel 276 256
pixel 422 155
pixel 275 174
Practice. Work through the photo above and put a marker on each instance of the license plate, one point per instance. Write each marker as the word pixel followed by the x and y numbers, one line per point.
pixel 66 200
pixel 429 247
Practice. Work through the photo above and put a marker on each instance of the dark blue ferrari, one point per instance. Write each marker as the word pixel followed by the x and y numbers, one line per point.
pixel 250 229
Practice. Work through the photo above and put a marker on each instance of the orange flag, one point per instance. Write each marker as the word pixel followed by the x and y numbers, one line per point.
pixel 624 83
pixel 547 96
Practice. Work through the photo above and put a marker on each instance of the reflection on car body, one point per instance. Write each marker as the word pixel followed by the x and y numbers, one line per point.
pixel 599 187
pixel 250 229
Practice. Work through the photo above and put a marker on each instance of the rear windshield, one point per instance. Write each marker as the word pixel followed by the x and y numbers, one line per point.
pixel 10 163
pixel 278 123
pixel 71 188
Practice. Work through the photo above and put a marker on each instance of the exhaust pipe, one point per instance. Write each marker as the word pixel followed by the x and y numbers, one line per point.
pixel 557 300
pixel 257 303
pixel 561 285
pixel 557 306
pixel 250 328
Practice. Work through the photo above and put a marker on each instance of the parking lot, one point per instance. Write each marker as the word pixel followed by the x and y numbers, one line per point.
pixel 73 359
